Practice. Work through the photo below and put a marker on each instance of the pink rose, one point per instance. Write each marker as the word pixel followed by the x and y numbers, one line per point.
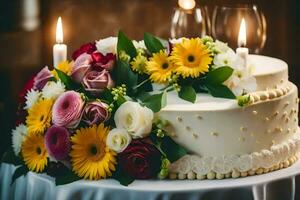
pixel 67 110
pixel 95 113
pixel 42 78
pixel 86 48
pixel 81 66
pixel 96 81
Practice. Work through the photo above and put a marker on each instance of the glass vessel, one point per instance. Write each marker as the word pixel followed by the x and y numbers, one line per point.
pixel 190 23
pixel 226 24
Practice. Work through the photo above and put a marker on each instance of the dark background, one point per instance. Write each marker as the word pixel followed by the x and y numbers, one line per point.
pixel 23 52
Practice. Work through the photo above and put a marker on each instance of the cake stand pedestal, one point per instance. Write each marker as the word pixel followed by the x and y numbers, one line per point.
pixel 278 185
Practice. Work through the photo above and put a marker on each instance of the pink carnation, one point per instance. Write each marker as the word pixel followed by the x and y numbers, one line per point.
pixel 57 142
pixel 67 110
pixel 42 78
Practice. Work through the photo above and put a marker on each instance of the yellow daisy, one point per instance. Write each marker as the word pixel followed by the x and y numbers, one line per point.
pixel 34 152
pixel 138 64
pixel 90 157
pixel 39 116
pixel 191 57
pixel 65 67
pixel 160 67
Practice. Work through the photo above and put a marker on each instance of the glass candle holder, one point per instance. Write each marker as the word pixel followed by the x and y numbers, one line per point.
pixel 190 23
pixel 226 23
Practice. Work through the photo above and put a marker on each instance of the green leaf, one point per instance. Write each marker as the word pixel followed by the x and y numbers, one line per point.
pixel 10 158
pixel 172 150
pixel 187 93
pixel 152 43
pixel 219 75
pixel 155 102
pixel 125 44
pixel 123 178
pixel 67 178
pixel 219 90
pixel 20 171
pixel 123 74
pixel 66 80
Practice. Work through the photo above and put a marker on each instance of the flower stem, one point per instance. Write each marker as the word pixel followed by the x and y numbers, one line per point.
pixel 141 83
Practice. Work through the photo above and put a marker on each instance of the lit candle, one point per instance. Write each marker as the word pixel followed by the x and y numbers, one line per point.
pixel 59 49
pixel 187 4
pixel 242 51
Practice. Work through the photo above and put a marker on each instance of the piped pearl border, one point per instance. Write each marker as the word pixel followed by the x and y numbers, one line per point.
pixel 233 166
pixel 269 94
pixel 235 173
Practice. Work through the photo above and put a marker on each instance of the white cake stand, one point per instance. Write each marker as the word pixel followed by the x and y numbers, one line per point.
pixel 279 185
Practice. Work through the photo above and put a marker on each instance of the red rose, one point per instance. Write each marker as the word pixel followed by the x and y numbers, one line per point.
pixel 101 61
pixel 141 159
pixel 86 48
pixel 21 113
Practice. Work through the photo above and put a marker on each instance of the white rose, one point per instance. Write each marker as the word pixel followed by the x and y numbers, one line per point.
pixel 137 120
pixel 118 139
pixel 107 45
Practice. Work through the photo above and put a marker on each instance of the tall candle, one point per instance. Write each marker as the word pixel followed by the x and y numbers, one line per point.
pixel 242 51
pixel 59 49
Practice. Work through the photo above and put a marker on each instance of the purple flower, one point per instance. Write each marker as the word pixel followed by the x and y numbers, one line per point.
pixel 95 113
pixel 57 142
pixel 42 78
pixel 81 66
pixel 67 110
pixel 96 81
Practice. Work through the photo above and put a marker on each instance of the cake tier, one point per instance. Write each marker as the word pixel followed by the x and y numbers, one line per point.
pixel 216 126
pixel 270 73
pixel 223 137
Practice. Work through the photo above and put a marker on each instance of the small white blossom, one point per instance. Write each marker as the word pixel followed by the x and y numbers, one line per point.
pixel 17 138
pixel 32 98
pixel 175 40
pixel 107 45
pixel 139 44
pixel 225 59
pixel 53 89
pixel 221 47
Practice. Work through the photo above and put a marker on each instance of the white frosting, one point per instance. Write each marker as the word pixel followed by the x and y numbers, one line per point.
pixel 243 163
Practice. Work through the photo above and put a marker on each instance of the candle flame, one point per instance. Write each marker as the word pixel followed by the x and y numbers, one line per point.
pixel 242 38
pixel 187 4
pixel 59 31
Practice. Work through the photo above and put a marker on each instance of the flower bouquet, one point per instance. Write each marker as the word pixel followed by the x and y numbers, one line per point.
pixel 94 117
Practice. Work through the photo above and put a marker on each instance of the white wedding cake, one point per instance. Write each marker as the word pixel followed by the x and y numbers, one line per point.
pixel 226 140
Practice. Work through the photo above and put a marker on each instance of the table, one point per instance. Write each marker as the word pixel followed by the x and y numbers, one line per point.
pixel 279 185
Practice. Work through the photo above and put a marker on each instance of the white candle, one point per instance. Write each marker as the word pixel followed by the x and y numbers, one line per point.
pixel 187 4
pixel 242 51
pixel 59 49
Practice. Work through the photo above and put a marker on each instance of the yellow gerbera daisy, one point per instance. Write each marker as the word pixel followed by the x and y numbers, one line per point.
pixel 39 116
pixel 191 57
pixel 65 67
pixel 34 152
pixel 90 157
pixel 160 67
pixel 138 64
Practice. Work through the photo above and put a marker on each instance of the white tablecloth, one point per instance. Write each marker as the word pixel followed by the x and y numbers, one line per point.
pixel 278 185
